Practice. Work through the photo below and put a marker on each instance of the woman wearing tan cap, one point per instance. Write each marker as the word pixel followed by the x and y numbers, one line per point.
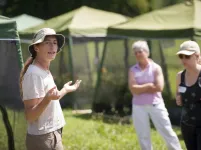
pixel 189 94
pixel 40 94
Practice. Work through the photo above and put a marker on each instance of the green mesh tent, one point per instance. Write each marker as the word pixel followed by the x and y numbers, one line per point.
pixel 84 21
pixel 25 21
pixel 178 21
pixel 11 63
pixel 85 29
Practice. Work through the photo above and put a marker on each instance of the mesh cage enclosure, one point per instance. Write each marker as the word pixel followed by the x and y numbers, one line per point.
pixel 86 56
pixel 113 95
pixel 9 75
pixel 10 95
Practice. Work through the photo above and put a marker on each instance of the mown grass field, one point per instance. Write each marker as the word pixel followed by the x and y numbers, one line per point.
pixel 89 132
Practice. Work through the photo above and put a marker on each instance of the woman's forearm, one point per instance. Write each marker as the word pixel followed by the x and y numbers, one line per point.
pixel 63 92
pixel 139 89
pixel 32 114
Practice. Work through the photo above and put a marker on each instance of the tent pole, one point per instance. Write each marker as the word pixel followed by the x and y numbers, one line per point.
pixel 150 48
pixel 99 73
pixel 71 69
pixel 61 64
pixel 96 54
pixel 165 70
pixel 126 61
pixel 88 63
pixel 21 65
pixel 20 58
pixel 70 57
pixel 193 38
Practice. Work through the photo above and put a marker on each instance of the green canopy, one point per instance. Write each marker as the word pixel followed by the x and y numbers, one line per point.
pixel 8 29
pixel 24 18
pixel 178 21
pixel 83 21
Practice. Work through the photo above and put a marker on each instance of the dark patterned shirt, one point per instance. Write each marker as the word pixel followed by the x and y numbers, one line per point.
pixel 191 100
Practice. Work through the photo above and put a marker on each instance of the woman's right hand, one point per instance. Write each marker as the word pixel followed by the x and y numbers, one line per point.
pixel 53 94
pixel 178 100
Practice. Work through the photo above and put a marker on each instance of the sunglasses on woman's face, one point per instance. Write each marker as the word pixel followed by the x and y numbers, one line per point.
pixel 181 56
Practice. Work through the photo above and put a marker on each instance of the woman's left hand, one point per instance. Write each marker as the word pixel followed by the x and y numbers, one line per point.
pixel 178 100
pixel 71 88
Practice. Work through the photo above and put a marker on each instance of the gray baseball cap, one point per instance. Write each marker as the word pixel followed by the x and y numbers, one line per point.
pixel 40 36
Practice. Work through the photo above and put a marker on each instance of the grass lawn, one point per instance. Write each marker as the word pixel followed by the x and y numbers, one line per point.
pixel 88 132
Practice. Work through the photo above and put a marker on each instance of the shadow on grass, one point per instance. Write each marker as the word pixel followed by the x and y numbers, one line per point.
pixel 174 115
pixel 112 119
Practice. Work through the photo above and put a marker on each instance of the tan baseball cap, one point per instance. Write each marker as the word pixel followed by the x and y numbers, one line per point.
pixel 40 36
pixel 189 48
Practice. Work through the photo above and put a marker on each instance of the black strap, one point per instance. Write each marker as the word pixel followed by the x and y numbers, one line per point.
pixel 183 77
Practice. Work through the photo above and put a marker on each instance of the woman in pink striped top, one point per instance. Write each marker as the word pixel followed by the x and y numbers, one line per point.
pixel 146 83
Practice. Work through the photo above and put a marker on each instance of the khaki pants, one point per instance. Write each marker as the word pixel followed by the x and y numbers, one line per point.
pixel 49 141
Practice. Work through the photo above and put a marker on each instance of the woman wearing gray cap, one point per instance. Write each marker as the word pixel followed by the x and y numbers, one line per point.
pixel 189 94
pixel 146 84
pixel 40 94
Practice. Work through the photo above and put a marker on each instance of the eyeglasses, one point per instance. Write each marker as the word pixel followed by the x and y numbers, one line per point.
pixel 181 56
pixel 138 52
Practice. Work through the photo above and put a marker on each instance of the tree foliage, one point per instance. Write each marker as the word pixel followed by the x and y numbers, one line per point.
pixel 46 9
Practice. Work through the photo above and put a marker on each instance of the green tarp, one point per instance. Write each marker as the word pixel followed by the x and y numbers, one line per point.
pixel 83 21
pixel 178 21
pixel 8 29
pixel 25 21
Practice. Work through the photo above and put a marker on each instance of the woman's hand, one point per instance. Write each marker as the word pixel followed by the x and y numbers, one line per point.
pixel 71 88
pixel 53 94
pixel 178 100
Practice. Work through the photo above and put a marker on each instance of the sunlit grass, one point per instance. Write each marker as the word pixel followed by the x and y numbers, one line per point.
pixel 93 133
pixel 88 132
